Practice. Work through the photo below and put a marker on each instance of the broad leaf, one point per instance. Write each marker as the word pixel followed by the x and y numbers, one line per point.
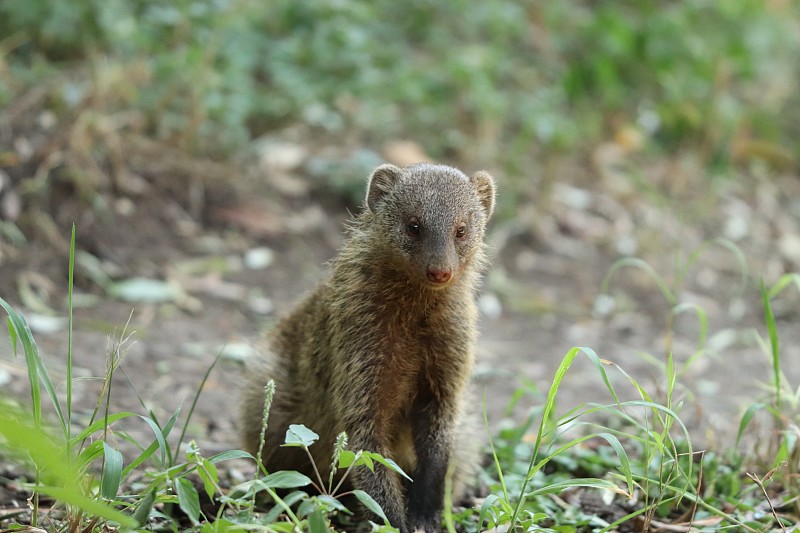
pixel 371 504
pixel 299 435
pixel 286 479
pixel 188 499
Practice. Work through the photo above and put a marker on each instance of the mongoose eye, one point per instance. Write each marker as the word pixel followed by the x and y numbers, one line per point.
pixel 413 227
pixel 461 230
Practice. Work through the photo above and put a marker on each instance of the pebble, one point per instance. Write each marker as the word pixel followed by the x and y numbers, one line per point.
pixel 736 228
pixel 280 156
pixel 789 246
pixel 259 303
pixel 258 258
pixel 490 305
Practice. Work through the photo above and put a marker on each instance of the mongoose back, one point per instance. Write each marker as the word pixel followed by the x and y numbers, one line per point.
pixel 384 348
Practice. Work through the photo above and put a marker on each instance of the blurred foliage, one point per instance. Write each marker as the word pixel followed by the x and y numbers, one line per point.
pixel 497 82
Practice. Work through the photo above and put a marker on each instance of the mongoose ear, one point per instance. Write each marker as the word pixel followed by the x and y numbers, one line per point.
pixel 484 185
pixel 381 181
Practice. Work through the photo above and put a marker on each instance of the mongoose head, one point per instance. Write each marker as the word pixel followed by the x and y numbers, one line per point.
pixel 433 216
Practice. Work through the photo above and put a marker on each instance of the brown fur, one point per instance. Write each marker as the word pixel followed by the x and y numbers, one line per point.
pixel 384 348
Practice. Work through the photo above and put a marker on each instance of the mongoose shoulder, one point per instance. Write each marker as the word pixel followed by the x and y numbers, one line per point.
pixel 384 348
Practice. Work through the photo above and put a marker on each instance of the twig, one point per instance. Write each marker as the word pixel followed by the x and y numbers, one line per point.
pixel 760 483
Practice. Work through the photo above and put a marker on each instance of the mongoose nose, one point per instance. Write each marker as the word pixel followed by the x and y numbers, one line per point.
pixel 439 275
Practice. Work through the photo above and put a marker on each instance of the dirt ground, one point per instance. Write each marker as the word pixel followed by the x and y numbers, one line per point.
pixel 240 252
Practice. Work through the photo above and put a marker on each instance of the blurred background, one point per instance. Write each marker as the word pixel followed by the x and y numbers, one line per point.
pixel 209 153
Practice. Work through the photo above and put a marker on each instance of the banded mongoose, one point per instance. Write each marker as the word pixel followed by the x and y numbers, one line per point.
pixel 384 348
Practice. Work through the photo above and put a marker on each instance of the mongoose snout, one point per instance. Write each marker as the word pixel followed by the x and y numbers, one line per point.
pixel 439 275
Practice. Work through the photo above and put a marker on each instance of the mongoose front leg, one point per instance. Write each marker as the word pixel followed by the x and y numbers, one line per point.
pixel 383 485
pixel 432 443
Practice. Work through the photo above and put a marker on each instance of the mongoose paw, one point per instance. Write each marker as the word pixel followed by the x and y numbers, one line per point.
pixel 426 526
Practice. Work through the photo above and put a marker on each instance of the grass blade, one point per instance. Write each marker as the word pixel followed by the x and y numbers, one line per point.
pixel 90 454
pixel 142 513
pixel 112 472
pixel 162 444
pixel 559 486
pixel 784 282
pixel 194 402
pixel 68 433
pixel 91 507
pixel 144 456
pixel 486 507
pixel 99 425
pixel 645 267
pixel 624 463
pixel 61 478
pixel 774 343
pixel 19 332
pixel 494 454
pixel 746 418
pixel 549 405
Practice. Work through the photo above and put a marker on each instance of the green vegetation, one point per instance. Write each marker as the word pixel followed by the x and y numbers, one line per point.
pixel 501 83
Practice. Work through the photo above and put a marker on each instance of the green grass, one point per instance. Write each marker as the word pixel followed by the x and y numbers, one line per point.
pixel 509 85
pixel 633 455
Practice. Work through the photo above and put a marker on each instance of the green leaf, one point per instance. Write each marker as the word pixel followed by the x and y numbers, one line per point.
pixel 142 513
pixel 171 422
pixel 200 388
pixel 624 463
pixel 162 443
pixel 286 479
pixel 774 343
pixel 554 488
pixel 346 458
pixel 645 267
pixel 220 526
pixel 188 499
pixel 746 418
pixel 368 502
pixel 316 522
pixel 784 282
pixel 37 372
pixel 70 287
pixel 90 506
pixel 284 527
pixel 385 462
pixel 290 500
pixel 112 472
pixel 230 454
pixel 300 436
pixel 98 425
pixel 43 449
pixel 208 474
pixel 487 508
pixel 561 372
pixel 363 458
pixel 141 458
pixel 12 335
pixel 90 454
pixel 330 503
